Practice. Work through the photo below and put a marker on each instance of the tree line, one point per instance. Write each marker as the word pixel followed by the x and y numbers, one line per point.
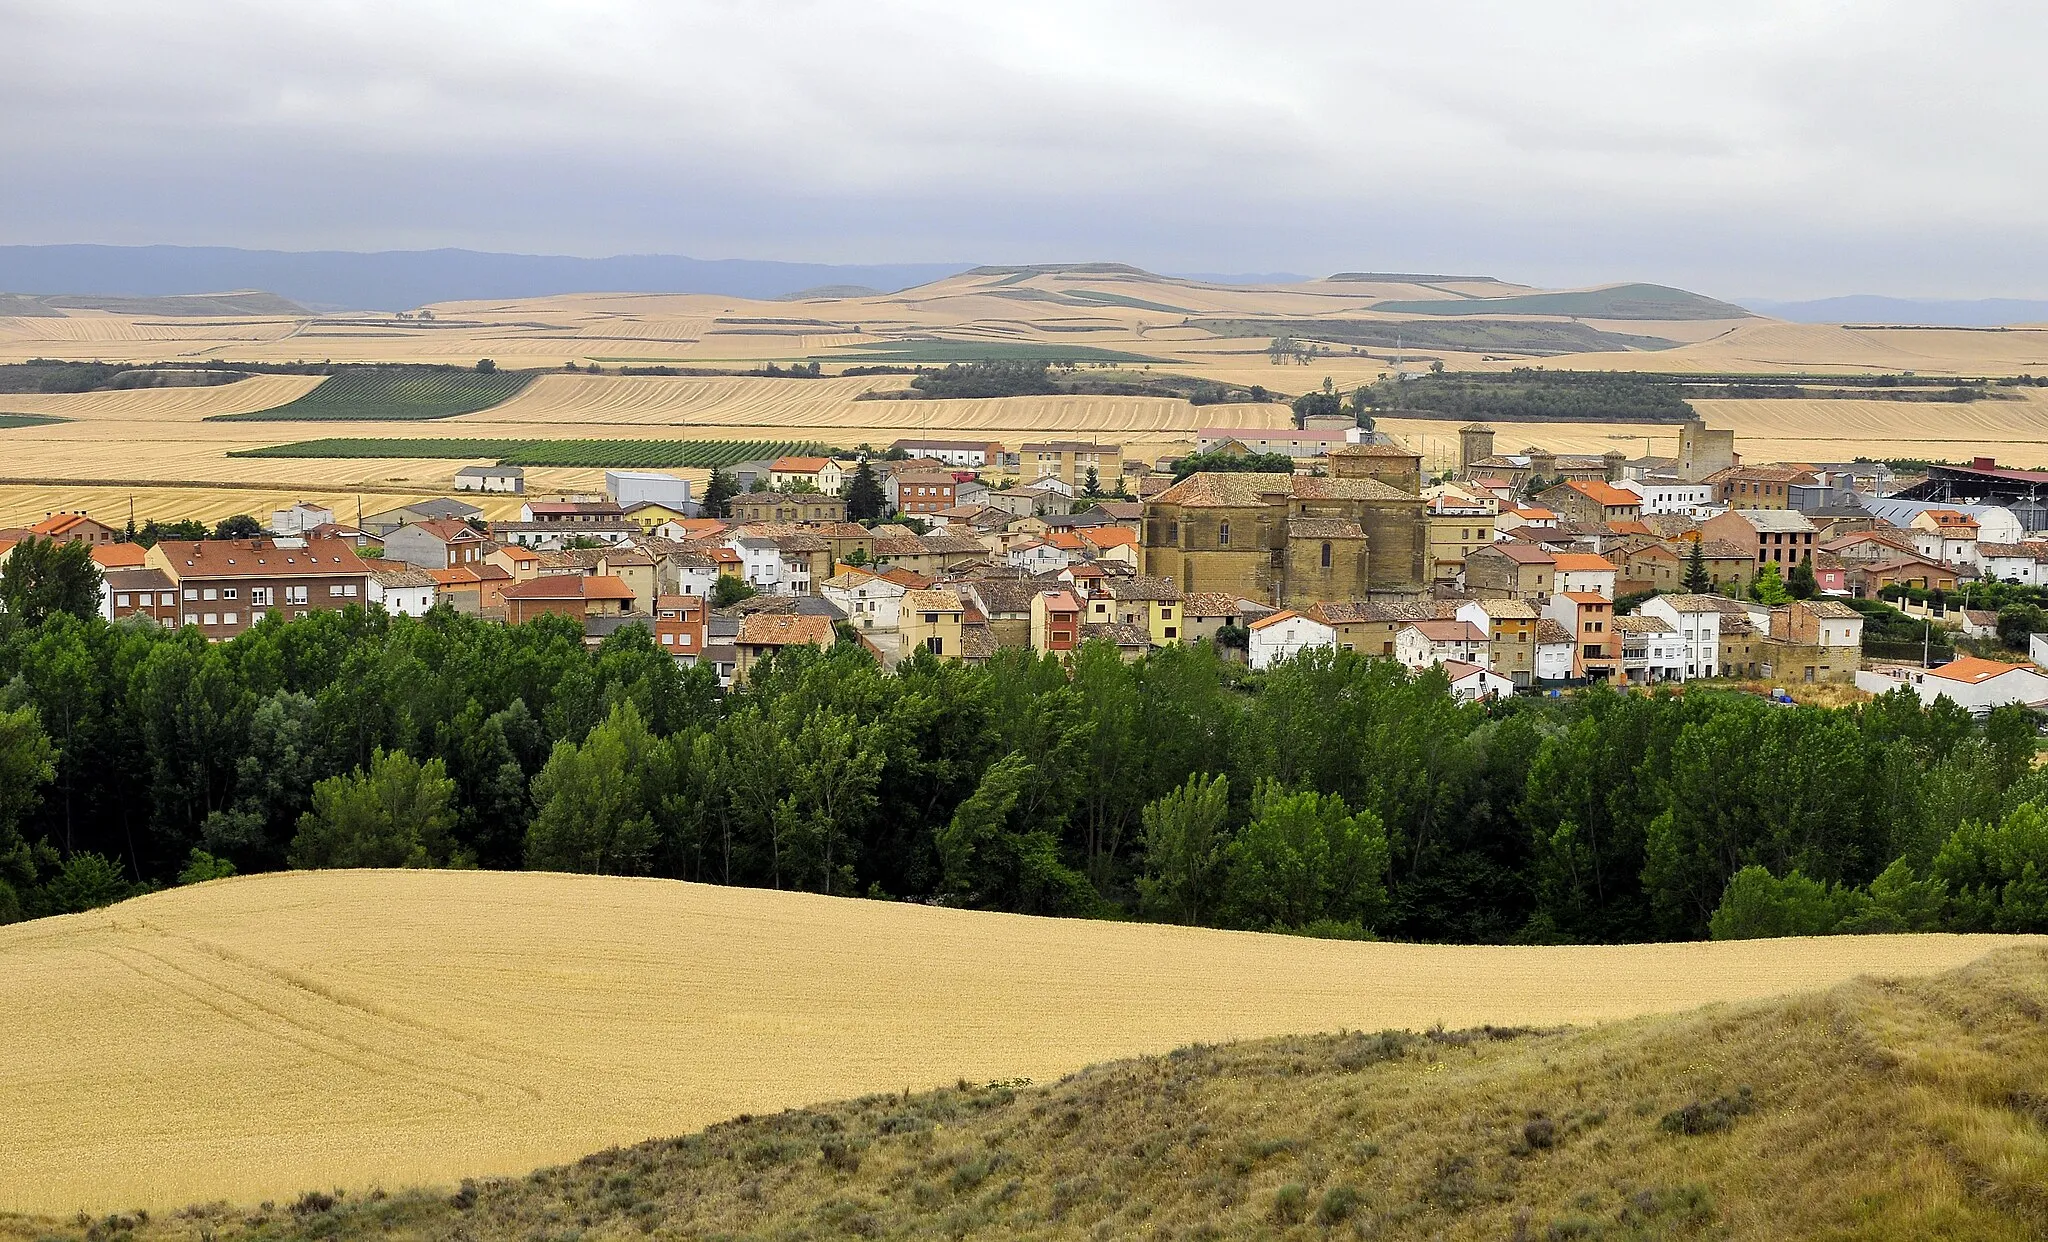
pixel 1335 794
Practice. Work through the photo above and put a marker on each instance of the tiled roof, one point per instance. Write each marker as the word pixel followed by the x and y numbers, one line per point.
pixel 1775 520
pixel 1836 610
pixel 1583 562
pixel 1971 670
pixel 1761 474
pixel 1549 631
pixel 1119 633
pixel 262 558
pixel 1143 587
pixel 1357 611
pixel 1448 631
pixel 396 576
pixel 1521 553
pixel 767 629
pixel 932 600
pixel 1209 604
pixel 1637 623
pixel 798 465
pixel 1606 493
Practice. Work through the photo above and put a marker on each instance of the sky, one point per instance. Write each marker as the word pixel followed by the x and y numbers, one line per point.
pixel 1783 150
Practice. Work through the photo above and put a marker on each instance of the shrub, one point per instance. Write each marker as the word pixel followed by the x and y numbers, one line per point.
pixel 1711 1116
pixel 1290 1203
pixel 1339 1202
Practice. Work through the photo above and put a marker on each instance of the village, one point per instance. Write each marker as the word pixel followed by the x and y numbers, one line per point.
pixel 1518 572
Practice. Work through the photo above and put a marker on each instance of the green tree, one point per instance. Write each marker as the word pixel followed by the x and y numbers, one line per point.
pixel 1184 844
pixel 43 577
pixel 484 366
pixel 1769 586
pixel 1307 859
pixel 87 881
pixel 397 814
pixel 865 499
pixel 992 856
pixel 730 590
pixel 1757 905
pixel 834 765
pixel 1997 874
pixel 718 494
pixel 1697 582
pixel 201 866
pixel 2017 621
pixel 27 762
pixel 240 526
pixel 1091 484
pixel 596 805
pixel 1801 584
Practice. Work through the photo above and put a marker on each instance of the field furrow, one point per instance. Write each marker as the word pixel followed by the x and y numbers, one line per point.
pixel 254 1038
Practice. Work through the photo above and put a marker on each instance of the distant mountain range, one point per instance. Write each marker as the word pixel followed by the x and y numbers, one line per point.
pixel 393 280
pixel 1910 312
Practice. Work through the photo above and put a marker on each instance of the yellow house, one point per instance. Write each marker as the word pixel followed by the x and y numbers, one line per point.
pixel 931 620
pixel 649 514
pixel 1151 604
pixel 635 568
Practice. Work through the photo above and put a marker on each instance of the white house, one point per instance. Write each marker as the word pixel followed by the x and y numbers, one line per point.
pixel 509 479
pixel 1586 573
pixel 2025 563
pixel 1945 535
pixel 1471 683
pixel 299 518
pixel 1285 635
pixel 1697 620
pixel 1556 650
pixel 1039 557
pixel 823 473
pixel 1670 496
pixel 761 563
pixel 1420 644
pixel 1651 649
pixel 966 454
pixel 404 591
pixel 1967 681
pixel 869 601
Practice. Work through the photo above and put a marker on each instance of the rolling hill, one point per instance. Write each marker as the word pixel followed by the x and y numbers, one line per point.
pixel 253 1038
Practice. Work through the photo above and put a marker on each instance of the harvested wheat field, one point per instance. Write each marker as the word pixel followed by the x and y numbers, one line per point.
pixel 252 1038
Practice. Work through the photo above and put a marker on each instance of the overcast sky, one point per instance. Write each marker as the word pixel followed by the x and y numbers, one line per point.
pixel 1774 149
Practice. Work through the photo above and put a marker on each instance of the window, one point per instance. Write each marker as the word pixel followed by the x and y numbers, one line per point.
pixel 931 618
pixel 682 640
pixel 121 600
pixel 170 598
pixel 295 595
pixel 1326 555
pixel 191 618
pixel 259 595
pixel 208 593
pixel 349 590
pixel 1223 534
pixel 1173 532
pixel 231 593
pixel 334 589
pixel 256 618
pixel 228 618
pixel 668 640
pixel 212 619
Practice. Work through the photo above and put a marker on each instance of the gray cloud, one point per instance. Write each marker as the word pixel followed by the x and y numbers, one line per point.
pixel 1787 149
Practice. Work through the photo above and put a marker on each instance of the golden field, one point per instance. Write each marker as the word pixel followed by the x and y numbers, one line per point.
pixel 252 1038
pixel 165 447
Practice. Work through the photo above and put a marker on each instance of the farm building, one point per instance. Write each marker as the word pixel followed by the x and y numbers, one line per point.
pixel 510 479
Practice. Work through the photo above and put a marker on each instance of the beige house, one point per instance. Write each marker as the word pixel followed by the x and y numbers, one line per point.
pixel 931 619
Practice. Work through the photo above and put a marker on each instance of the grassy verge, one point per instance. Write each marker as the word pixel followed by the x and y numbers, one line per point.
pixel 29 420
pixel 1883 1109
pixel 702 454
pixel 394 394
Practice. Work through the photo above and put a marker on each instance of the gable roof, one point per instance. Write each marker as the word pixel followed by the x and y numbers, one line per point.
pixel 1582 562
pixel 1972 670
pixel 1605 494
pixel 798 465
pixel 1448 631
pixel 784 629
pixel 262 558
pixel 932 599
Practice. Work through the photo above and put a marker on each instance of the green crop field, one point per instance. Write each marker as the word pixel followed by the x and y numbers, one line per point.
pixel 30 420
pixel 979 351
pixel 393 394
pixel 701 454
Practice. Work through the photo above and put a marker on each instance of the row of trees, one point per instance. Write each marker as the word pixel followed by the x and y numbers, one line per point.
pixel 1335 794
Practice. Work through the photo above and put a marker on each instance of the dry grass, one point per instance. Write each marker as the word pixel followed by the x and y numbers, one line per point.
pixel 1888 1109
pixel 248 1039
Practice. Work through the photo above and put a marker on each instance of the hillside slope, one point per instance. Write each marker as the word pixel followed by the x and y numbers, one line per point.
pixel 1884 1109
pixel 248 1039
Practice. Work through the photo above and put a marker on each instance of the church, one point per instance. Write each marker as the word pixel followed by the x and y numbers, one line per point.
pixel 1357 532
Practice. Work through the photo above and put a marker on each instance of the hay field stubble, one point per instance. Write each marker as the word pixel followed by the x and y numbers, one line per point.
pixel 253 1038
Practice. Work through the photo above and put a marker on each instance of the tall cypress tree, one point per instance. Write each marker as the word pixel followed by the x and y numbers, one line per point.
pixel 718 494
pixel 1696 580
pixel 864 496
